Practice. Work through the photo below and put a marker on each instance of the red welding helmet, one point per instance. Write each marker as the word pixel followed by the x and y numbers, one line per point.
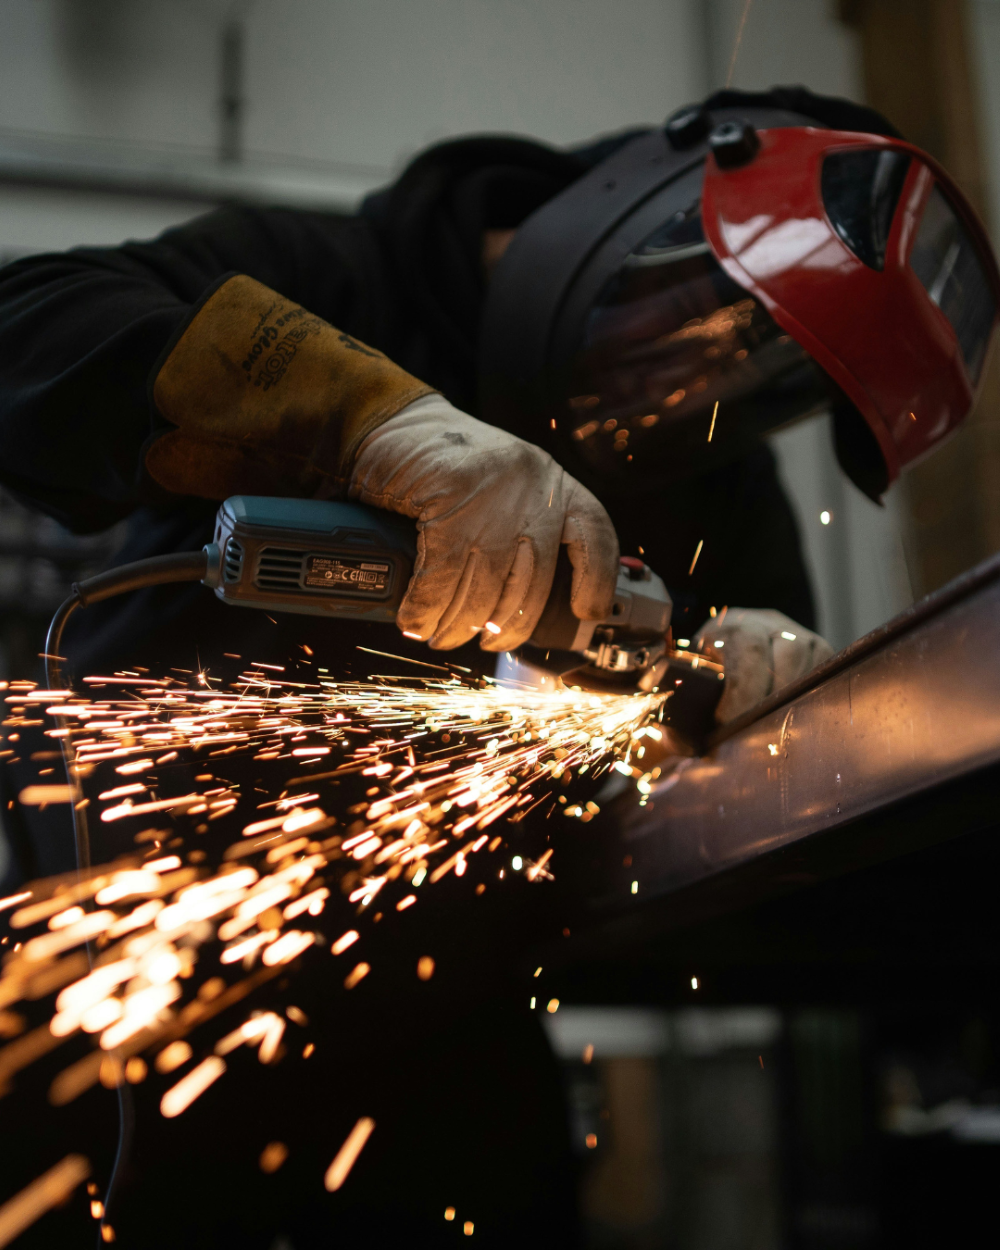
pixel 740 270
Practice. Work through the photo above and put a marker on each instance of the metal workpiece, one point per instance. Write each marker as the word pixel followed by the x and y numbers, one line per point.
pixel 902 712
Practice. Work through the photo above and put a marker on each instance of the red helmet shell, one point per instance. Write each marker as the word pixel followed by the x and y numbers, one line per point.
pixel 877 333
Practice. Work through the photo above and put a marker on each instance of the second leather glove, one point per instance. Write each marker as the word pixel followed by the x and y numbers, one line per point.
pixel 491 511
pixel 267 399
pixel 762 650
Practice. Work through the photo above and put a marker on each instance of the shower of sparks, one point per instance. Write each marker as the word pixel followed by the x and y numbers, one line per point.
pixel 715 413
pixel 697 553
pixel 179 928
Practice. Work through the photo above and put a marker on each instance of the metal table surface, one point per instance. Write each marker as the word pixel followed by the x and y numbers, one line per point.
pixel 889 747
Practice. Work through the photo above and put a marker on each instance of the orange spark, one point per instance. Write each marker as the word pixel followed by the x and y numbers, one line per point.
pixel 344 941
pixel 188 1088
pixel 355 975
pixel 44 1193
pixel 347 1155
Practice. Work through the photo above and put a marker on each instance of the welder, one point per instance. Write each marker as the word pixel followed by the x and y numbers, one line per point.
pixel 522 348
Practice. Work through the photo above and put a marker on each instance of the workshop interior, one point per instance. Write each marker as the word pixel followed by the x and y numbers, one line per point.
pixel 499 623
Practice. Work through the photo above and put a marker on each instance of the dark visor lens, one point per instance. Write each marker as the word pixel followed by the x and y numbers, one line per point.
pixel 947 263
pixel 670 336
pixel 860 194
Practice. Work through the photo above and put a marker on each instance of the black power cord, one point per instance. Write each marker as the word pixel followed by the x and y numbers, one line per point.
pixel 156 571
pixel 187 566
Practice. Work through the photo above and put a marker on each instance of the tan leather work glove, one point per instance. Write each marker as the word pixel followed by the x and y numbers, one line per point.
pixel 492 511
pixel 268 399
pixel 761 651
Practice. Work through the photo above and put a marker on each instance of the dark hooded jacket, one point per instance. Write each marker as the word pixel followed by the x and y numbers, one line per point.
pixel 82 332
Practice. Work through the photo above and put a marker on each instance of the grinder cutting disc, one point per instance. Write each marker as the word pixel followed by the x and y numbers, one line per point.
pixel 697 685
pixel 694 685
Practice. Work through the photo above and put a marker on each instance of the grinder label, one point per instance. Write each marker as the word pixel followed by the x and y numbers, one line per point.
pixel 368 577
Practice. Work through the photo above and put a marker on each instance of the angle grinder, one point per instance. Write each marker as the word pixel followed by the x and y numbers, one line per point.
pixel 350 561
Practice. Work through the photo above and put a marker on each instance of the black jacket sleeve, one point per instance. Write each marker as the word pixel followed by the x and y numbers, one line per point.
pixel 81 333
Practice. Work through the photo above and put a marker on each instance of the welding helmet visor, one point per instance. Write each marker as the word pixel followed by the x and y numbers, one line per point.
pixel 865 251
pixel 815 269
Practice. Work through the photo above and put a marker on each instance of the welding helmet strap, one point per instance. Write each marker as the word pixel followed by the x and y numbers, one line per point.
pixel 856 447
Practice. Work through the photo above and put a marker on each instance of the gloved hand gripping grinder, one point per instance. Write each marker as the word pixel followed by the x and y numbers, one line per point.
pixel 351 561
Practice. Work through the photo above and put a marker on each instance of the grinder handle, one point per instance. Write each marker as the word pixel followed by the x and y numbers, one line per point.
pixel 557 626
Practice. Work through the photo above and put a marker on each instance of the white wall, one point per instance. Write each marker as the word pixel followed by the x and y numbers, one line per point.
pixel 857 558
pixel 42 219
pixel 351 87
pixel 135 71
pixel 361 82
pixel 387 78
pixel 786 42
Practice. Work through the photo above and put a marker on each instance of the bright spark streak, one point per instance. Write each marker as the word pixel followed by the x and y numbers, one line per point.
pixel 190 1087
pixel 347 1155
pixel 48 1191
pixel 739 39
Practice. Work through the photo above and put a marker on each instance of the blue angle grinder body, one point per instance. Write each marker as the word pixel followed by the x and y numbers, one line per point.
pixel 348 560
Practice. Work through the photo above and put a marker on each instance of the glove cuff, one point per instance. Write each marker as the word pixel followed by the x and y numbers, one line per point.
pixel 268 398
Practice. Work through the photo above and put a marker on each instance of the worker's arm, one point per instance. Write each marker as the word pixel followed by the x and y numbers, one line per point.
pixel 81 333
pixel 268 399
pixel 153 365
